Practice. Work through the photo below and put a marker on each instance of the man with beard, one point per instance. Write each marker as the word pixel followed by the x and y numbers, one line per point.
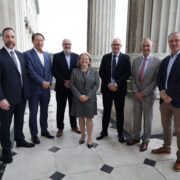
pixel 63 64
pixel 14 91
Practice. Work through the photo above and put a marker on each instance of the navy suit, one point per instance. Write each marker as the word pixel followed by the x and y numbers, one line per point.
pixel 122 73
pixel 61 73
pixel 16 94
pixel 37 74
pixel 173 89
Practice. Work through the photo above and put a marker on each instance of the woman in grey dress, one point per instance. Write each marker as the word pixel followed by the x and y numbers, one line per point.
pixel 84 83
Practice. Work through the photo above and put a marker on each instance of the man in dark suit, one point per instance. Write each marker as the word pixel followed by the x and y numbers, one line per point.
pixel 114 72
pixel 14 90
pixel 168 82
pixel 40 76
pixel 63 64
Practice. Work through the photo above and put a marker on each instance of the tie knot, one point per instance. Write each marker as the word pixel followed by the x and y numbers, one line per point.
pixel 145 58
pixel 12 52
pixel 114 56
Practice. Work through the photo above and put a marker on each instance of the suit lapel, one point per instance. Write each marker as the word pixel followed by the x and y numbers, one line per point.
pixel 150 63
pixel 138 63
pixel 9 58
pixel 36 57
pixel 173 66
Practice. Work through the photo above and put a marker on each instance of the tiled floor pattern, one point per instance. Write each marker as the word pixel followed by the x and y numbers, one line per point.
pixel 63 158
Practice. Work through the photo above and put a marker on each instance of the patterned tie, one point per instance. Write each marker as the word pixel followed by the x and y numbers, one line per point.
pixel 14 58
pixel 113 66
pixel 141 72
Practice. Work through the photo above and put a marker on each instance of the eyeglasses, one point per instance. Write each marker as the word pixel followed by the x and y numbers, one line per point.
pixel 67 44
pixel 172 41
pixel 116 44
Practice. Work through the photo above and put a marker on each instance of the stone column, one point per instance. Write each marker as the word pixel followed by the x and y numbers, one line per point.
pixel 101 21
pixel 155 19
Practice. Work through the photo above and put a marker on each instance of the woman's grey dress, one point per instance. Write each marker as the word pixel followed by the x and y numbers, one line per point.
pixel 84 83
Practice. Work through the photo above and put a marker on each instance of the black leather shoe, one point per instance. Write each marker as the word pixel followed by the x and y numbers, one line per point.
pixel 24 144
pixel 81 141
pixel 35 139
pixel 101 136
pixel 89 146
pixel 47 134
pixel 7 157
pixel 121 139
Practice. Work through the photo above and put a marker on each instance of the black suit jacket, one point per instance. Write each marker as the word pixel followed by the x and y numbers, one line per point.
pixel 122 72
pixel 10 80
pixel 173 86
pixel 60 68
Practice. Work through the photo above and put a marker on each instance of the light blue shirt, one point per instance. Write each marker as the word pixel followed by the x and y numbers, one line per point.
pixel 171 62
pixel 146 65
pixel 68 60
pixel 117 58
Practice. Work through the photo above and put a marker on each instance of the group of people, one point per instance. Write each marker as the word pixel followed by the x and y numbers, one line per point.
pixel 28 76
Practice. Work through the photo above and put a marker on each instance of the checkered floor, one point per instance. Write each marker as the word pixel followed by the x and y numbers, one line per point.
pixel 63 158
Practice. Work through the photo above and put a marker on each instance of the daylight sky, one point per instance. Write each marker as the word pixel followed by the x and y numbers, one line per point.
pixel 59 19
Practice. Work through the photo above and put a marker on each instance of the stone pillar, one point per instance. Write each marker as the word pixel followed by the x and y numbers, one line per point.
pixel 101 22
pixel 155 19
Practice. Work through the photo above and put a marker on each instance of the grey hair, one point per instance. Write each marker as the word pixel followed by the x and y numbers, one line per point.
pixel 172 34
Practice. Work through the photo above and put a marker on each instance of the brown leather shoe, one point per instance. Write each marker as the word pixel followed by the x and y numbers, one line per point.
pixel 76 129
pixel 160 150
pixel 133 141
pixel 59 133
pixel 144 146
pixel 177 166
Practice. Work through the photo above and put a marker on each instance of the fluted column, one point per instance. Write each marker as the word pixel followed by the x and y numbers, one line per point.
pixel 101 21
pixel 155 19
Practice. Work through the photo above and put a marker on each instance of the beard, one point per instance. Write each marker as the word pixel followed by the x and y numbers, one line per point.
pixel 67 51
pixel 10 45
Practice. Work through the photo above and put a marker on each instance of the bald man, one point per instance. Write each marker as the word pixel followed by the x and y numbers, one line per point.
pixel 63 64
pixel 144 73
pixel 114 72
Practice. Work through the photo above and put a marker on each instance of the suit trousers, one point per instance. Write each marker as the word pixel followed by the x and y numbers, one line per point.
pixel 34 101
pixel 61 99
pixel 168 111
pixel 143 108
pixel 5 122
pixel 119 99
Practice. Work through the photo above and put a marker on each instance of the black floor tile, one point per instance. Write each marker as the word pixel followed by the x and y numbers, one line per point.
pixel 54 149
pixel 150 162
pixel 57 176
pixel 106 168
pixel 95 145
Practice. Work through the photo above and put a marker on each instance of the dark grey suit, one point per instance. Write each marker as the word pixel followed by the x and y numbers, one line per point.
pixel 147 86
pixel 84 84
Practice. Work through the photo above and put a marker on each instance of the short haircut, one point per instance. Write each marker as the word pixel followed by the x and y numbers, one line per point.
pixel 6 29
pixel 87 54
pixel 37 34
pixel 172 34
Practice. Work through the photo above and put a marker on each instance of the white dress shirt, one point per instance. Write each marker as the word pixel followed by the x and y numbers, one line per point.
pixel 40 55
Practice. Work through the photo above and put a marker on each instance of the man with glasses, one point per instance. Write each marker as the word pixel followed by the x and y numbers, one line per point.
pixel 114 72
pixel 63 64
pixel 168 81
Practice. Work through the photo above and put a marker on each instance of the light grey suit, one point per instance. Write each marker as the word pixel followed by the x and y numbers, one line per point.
pixel 84 83
pixel 147 86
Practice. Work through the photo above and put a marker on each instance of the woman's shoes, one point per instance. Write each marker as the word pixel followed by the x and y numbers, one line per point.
pixel 89 146
pixel 81 141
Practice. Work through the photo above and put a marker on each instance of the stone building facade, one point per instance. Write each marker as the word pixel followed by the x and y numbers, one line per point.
pixel 21 15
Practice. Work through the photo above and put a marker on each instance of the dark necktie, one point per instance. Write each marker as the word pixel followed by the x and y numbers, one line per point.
pixel 14 58
pixel 141 72
pixel 113 66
